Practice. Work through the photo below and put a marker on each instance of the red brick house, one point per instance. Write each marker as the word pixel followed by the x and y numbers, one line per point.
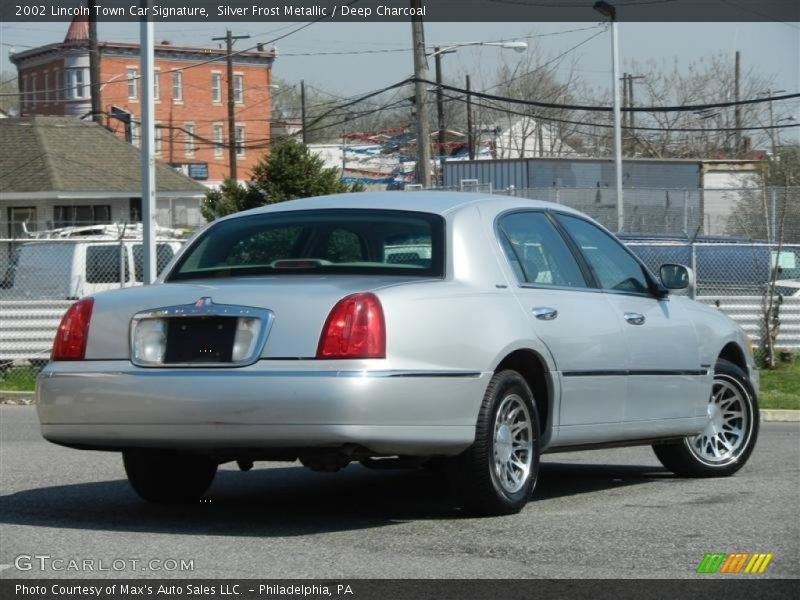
pixel 190 105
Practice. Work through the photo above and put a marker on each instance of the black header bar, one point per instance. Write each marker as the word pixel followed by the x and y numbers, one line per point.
pixel 366 11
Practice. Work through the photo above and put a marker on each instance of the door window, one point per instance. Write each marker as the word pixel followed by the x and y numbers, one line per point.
pixel 612 265
pixel 536 251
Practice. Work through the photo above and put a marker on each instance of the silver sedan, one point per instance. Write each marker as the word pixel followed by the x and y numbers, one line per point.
pixel 464 332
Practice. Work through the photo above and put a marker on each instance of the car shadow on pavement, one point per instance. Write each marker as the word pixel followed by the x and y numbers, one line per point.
pixel 290 501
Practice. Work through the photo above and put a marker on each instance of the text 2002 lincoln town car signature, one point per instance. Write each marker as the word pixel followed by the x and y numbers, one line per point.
pixel 470 332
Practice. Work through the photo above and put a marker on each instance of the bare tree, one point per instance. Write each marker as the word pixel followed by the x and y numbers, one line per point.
pixel 704 81
pixel 9 92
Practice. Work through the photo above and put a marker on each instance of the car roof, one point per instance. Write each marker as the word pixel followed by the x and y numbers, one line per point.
pixel 430 201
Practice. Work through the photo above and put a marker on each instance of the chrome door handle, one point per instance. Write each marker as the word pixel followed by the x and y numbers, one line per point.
pixel 545 313
pixel 634 318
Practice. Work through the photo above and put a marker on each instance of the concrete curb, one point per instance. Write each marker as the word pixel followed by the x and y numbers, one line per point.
pixel 17 397
pixel 781 415
pixel 767 414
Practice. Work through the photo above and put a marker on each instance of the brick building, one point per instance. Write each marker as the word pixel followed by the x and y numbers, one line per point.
pixel 190 97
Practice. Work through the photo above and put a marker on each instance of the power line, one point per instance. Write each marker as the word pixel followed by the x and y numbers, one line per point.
pixel 591 108
pixel 539 117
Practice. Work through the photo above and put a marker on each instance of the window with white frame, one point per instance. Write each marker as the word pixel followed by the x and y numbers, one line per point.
pixel 216 87
pixel 157 139
pixel 177 86
pixel 218 139
pixel 33 90
pixel 188 139
pixel 82 85
pixel 46 88
pixel 238 88
pixel 156 84
pixel 136 133
pixel 239 140
pixel 133 83
pixel 24 91
pixel 58 92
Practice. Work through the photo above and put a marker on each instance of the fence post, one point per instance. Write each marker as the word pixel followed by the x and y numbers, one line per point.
pixel 686 212
pixel 121 262
pixel 693 289
pixel 774 237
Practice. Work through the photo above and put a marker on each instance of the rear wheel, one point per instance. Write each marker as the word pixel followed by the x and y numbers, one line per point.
pixel 168 477
pixel 497 474
pixel 730 434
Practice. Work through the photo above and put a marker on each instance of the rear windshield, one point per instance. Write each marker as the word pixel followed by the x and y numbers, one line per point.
pixel 346 241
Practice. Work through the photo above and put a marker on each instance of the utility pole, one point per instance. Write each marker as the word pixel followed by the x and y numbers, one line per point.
pixel 94 65
pixel 148 145
pixel 421 99
pixel 737 110
pixel 628 101
pixel 470 136
pixel 439 108
pixel 625 115
pixel 303 109
pixel 609 11
pixel 229 40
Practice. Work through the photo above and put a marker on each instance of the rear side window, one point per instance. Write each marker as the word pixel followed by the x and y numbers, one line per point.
pixel 536 251
pixel 103 264
pixel 164 254
pixel 346 241
pixel 612 264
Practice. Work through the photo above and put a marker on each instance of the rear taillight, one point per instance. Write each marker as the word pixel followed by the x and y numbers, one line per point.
pixel 70 342
pixel 354 329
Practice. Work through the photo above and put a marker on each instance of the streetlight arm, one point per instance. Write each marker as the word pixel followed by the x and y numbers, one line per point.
pixel 518 46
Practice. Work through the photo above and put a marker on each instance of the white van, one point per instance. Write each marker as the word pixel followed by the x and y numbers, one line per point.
pixel 71 269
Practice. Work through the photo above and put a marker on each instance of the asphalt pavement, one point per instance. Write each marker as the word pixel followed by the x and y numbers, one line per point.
pixel 602 514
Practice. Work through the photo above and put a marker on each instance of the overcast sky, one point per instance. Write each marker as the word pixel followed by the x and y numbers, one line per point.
pixel 773 49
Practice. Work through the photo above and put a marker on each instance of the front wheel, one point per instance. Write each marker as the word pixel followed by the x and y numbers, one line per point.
pixel 168 477
pixel 497 474
pixel 730 434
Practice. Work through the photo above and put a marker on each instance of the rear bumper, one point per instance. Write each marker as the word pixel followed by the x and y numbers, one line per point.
pixel 111 404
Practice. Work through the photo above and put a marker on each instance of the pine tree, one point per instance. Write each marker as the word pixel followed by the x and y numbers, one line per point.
pixel 288 172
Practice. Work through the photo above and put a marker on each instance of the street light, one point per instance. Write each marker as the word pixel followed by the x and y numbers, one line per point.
pixel 610 12
pixel 517 46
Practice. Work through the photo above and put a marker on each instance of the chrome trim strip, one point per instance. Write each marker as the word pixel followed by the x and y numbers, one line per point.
pixel 217 372
pixel 634 372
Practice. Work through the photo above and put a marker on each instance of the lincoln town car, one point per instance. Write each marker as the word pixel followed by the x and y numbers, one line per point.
pixel 465 333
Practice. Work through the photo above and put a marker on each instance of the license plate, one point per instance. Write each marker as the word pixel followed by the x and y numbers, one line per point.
pixel 200 340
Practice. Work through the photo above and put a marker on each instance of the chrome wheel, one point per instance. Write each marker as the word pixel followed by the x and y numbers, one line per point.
pixel 728 426
pixel 513 444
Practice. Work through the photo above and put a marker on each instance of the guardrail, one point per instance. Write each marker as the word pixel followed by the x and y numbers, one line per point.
pixel 748 312
pixel 27 328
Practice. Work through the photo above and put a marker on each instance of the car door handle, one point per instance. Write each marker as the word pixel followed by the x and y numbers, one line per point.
pixel 634 318
pixel 545 313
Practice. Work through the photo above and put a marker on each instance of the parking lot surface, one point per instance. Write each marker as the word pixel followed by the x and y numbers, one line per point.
pixel 603 514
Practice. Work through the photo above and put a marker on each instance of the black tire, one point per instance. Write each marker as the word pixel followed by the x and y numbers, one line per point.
pixel 168 477
pixel 474 473
pixel 686 457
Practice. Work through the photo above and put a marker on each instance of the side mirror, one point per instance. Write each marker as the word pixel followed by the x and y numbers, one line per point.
pixel 676 277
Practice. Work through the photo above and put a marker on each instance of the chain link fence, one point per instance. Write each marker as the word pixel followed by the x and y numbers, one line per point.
pixel 39 278
pixel 770 214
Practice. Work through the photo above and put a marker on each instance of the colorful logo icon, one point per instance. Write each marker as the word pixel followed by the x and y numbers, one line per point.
pixel 737 562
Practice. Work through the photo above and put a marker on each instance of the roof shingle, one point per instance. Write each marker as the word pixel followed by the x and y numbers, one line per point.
pixel 62 154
